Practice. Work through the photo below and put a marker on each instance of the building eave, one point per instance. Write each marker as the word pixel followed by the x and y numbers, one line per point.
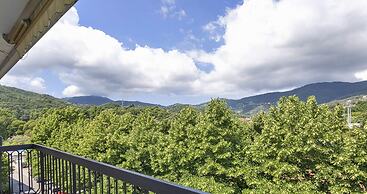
pixel 36 19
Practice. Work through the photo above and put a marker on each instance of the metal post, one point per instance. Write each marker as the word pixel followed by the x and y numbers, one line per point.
pixel 1 166
pixel 42 161
pixel 74 178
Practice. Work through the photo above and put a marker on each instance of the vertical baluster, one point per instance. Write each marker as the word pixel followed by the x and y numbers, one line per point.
pixel 18 166
pixel 101 183
pixel 79 179
pixel 66 177
pixel 84 187
pixel 90 181
pixel 108 185
pixel 134 189
pixel 116 186
pixel 74 178
pixel 42 169
pixel 59 174
pixel 52 186
pixel 38 158
pixel 62 176
pixel 95 182
pixel 125 188
pixel 49 182
pixel 54 177
pixel 48 173
pixel 71 177
pixel 21 178
pixel 10 171
pixel 29 171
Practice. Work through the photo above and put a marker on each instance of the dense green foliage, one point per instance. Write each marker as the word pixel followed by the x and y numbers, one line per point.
pixel 9 123
pixel 295 147
pixel 360 112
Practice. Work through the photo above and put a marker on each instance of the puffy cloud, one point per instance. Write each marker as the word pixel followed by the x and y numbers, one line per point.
pixel 215 29
pixel 71 91
pixel 267 45
pixel 92 62
pixel 270 45
pixel 361 75
pixel 36 84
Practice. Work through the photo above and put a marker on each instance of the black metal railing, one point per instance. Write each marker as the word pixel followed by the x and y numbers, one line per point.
pixel 38 169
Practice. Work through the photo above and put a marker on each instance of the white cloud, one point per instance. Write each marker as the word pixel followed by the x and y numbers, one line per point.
pixel 272 45
pixel 92 62
pixel 361 75
pixel 169 10
pixel 181 14
pixel 216 29
pixel 35 84
pixel 38 83
pixel 71 91
pixel 267 46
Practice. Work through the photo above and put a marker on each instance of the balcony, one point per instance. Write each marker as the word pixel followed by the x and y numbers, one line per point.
pixel 35 168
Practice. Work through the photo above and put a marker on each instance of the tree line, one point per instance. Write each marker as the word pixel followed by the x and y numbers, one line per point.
pixel 295 147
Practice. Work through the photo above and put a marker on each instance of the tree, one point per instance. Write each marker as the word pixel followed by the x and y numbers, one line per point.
pixel 9 124
pixel 299 145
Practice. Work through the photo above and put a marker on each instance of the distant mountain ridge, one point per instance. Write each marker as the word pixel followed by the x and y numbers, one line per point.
pixel 88 100
pixel 100 100
pixel 325 92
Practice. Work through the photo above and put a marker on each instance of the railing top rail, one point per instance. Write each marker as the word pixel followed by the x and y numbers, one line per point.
pixel 16 147
pixel 141 180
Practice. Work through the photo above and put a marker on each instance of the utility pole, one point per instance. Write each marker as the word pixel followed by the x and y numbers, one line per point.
pixel 349 113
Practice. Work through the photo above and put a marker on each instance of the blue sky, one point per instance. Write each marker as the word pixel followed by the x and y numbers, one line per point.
pixel 188 51
pixel 141 21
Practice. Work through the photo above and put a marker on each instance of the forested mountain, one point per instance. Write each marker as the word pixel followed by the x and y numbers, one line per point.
pixel 23 101
pixel 137 103
pixel 89 100
pixel 100 100
pixel 324 92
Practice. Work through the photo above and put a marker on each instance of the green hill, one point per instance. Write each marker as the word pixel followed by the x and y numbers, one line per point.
pixel 100 100
pixel 22 101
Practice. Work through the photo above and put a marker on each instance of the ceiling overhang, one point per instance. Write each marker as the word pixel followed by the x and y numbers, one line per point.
pixel 22 25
